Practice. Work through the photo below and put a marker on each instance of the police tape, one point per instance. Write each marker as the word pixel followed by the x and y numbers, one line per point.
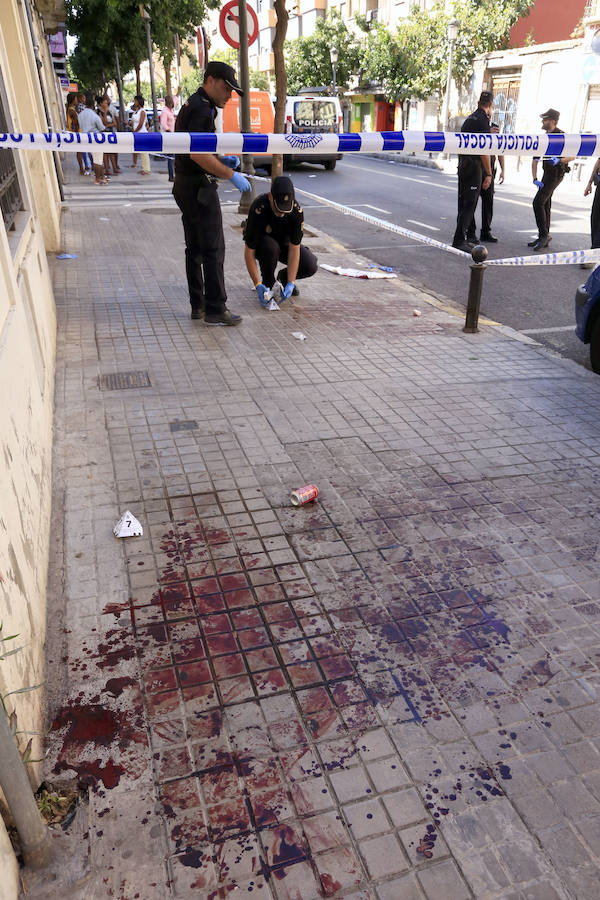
pixel 381 223
pixel 310 144
pixel 565 258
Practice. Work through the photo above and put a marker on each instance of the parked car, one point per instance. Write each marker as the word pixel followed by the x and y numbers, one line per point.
pixel 313 113
pixel 587 316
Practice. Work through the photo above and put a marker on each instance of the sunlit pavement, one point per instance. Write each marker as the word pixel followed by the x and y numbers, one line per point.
pixel 390 693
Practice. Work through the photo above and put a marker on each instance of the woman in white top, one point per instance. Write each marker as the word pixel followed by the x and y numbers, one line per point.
pixel 139 124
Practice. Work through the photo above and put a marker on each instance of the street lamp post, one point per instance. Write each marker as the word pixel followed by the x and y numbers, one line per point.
pixel 452 33
pixel 334 56
pixel 146 18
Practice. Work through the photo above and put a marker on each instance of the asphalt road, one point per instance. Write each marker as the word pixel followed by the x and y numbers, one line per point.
pixel 424 200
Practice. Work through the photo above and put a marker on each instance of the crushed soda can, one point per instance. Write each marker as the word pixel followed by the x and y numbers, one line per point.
pixel 305 494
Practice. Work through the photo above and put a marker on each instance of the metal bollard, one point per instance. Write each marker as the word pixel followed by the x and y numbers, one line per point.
pixel 478 267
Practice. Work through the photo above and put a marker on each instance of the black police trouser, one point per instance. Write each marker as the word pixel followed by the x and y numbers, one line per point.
pixel 269 252
pixel 487 213
pixel 542 205
pixel 595 220
pixel 469 188
pixel 204 244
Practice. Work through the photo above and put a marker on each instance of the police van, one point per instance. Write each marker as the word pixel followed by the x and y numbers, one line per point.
pixel 313 113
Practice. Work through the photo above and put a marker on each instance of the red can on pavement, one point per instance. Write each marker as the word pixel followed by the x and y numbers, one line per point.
pixel 305 494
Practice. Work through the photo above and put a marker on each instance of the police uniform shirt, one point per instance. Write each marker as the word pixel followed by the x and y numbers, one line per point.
pixel 548 169
pixel 285 229
pixel 197 114
pixel 477 123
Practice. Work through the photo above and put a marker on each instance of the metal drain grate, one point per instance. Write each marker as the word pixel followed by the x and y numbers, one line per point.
pixel 123 381
pixel 188 425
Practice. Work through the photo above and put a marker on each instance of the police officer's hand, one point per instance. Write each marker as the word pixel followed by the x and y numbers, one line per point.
pixel 554 160
pixel 538 184
pixel 232 162
pixel 588 189
pixel 288 290
pixel 241 182
pixel 261 290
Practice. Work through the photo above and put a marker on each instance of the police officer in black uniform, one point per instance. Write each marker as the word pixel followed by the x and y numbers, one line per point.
pixel 273 234
pixel 554 170
pixel 487 201
pixel 474 172
pixel 195 192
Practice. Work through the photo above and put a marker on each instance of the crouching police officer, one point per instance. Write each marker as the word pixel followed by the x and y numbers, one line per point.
pixel 273 234
pixel 195 192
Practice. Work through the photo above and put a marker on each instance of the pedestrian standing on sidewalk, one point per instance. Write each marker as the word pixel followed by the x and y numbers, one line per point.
pixel 73 125
pixel 195 192
pixel 595 216
pixel 108 120
pixel 116 126
pixel 474 172
pixel 487 201
pixel 139 126
pixel 167 123
pixel 90 121
pixel 273 234
pixel 554 170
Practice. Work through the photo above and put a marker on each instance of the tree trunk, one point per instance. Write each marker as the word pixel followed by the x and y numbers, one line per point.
pixel 166 61
pixel 138 83
pixel 280 80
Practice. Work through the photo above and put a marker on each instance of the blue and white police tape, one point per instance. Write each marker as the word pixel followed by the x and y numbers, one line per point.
pixel 311 144
pixel 381 223
pixel 566 258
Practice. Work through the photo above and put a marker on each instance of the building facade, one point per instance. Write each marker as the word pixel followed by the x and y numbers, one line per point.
pixel 30 100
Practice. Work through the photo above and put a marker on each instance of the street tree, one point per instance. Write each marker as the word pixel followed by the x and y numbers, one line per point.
pixel 484 26
pixel 391 60
pixel 281 79
pixel 308 60
pixel 101 28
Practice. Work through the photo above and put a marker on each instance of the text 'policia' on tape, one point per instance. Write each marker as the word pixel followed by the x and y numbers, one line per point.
pixel 231 142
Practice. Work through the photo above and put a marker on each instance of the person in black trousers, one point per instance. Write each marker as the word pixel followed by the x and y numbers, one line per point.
pixel 474 172
pixel 195 192
pixel 487 201
pixel 273 234
pixel 595 216
pixel 554 170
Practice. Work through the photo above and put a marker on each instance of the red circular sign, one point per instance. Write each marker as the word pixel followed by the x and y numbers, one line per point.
pixel 229 24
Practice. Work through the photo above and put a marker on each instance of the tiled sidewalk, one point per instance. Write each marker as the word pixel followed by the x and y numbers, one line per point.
pixel 391 693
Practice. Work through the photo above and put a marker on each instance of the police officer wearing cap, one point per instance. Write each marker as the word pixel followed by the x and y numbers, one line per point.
pixel 273 234
pixel 195 192
pixel 554 169
pixel 474 172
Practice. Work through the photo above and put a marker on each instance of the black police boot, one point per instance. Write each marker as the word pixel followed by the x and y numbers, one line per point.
pixel 197 312
pixel 489 238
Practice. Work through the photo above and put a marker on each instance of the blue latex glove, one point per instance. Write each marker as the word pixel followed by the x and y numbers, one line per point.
pixel 261 290
pixel 287 291
pixel 554 160
pixel 241 182
pixel 233 162
pixel 538 184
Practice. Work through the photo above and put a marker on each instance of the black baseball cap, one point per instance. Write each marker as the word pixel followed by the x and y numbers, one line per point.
pixel 282 192
pixel 227 73
pixel 551 114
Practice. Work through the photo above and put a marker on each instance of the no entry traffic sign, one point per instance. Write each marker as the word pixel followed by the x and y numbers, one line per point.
pixel 229 24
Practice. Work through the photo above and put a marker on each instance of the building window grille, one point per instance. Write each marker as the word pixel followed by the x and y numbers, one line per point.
pixel 10 190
